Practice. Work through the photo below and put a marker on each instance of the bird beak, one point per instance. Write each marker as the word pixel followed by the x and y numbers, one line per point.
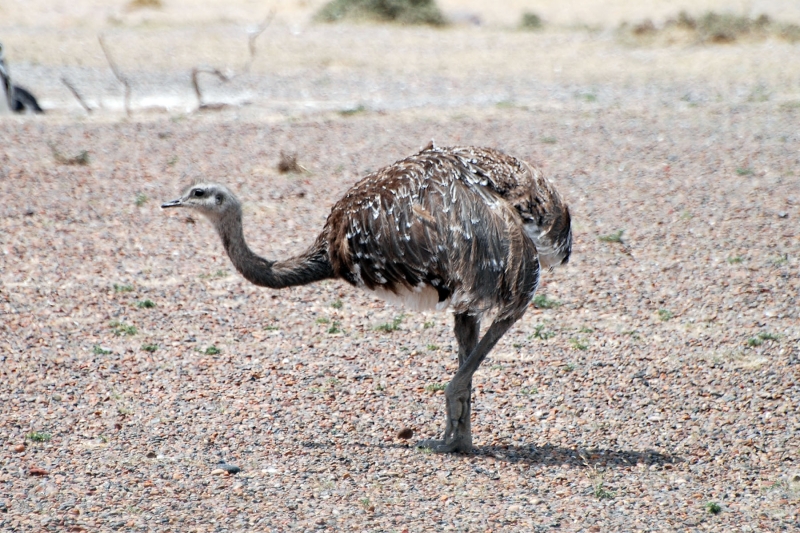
pixel 172 203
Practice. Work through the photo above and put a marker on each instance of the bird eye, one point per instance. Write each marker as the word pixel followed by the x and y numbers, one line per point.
pixel 199 193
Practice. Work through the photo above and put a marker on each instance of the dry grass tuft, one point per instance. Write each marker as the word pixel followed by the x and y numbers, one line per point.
pixel 288 164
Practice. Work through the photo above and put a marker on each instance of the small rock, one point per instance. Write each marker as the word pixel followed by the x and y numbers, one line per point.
pixel 151 455
pixel 219 472
pixel 36 471
pixel 3 507
pixel 405 433
pixel 231 469
pixel 19 448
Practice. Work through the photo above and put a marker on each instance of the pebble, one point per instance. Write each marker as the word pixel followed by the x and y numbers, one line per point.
pixel 19 448
pixel 230 469
pixel 36 471
pixel 405 433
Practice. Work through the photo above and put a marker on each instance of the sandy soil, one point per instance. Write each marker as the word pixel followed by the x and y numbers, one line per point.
pixel 664 380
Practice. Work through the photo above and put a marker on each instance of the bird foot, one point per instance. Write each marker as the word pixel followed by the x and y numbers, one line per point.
pixel 458 430
pixel 457 445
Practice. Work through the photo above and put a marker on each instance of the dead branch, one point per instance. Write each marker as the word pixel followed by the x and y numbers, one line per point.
pixel 196 84
pixel 251 46
pixel 122 79
pixel 76 94
pixel 251 38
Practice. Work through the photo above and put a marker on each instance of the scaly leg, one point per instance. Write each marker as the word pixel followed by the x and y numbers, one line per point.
pixel 458 430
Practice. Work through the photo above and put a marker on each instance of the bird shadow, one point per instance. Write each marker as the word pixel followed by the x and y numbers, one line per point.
pixel 547 455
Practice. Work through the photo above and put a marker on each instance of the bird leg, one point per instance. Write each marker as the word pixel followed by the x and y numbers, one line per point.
pixel 458 394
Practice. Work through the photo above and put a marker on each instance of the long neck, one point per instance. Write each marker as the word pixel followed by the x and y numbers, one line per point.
pixel 312 265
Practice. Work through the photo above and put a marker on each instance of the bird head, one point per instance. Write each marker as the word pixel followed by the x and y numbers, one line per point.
pixel 212 200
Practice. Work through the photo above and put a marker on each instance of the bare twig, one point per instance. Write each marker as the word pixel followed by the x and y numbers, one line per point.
pixel 195 83
pixel 76 94
pixel 251 39
pixel 122 79
pixel 251 46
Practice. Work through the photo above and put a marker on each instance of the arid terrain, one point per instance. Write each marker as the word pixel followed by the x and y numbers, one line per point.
pixel 653 385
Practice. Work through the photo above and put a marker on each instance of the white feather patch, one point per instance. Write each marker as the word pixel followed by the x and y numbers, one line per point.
pixel 422 298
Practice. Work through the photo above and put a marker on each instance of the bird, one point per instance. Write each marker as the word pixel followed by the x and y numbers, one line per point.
pixel 462 227
pixel 14 98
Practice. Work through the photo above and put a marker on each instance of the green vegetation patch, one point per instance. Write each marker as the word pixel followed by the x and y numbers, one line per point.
pixel 38 436
pixel 388 327
pixel 121 328
pixel 541 301
pixel 400 11
pixel 531 21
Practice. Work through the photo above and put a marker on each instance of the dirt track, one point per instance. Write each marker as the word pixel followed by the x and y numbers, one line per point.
pixel 666 378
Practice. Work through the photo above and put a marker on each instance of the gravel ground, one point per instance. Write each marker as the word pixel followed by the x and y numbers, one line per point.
pixel 655 380
pixel 665 378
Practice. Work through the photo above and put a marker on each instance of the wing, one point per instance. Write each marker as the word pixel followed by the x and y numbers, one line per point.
pixel 423 223
pixel 545 215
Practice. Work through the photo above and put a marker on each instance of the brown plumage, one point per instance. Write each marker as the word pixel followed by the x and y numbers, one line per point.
pixel 463 227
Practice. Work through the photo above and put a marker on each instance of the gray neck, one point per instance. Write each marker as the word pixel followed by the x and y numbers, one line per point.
pixel 312 265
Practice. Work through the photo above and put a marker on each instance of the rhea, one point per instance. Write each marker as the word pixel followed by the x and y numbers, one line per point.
pixel 14 98
pixel 461 227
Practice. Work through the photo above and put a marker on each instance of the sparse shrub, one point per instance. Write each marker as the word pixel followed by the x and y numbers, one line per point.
pixel 335 327
pixel 531 21
pixel 790 32
pixel 81 159
pixel 613 237
pixel 120 328
pixel 759 339
pixel 388 327
pixel 145 304
pixel 540 333
pixel 123 288
pixel 38 436
pixel 99 350
pixel 434 387
pixel 141 199
pixel 713 507
pixel 353 111
pixel 541 301
pixel 665 314
pixel 400 11
pixel 212 350
pixel 601 493
pixel 337 304
pixel 713 27
pixel 578 344
pixel 149 347
pixel 140 4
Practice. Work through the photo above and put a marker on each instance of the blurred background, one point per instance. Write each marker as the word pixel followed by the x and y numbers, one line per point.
pixel 476 53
